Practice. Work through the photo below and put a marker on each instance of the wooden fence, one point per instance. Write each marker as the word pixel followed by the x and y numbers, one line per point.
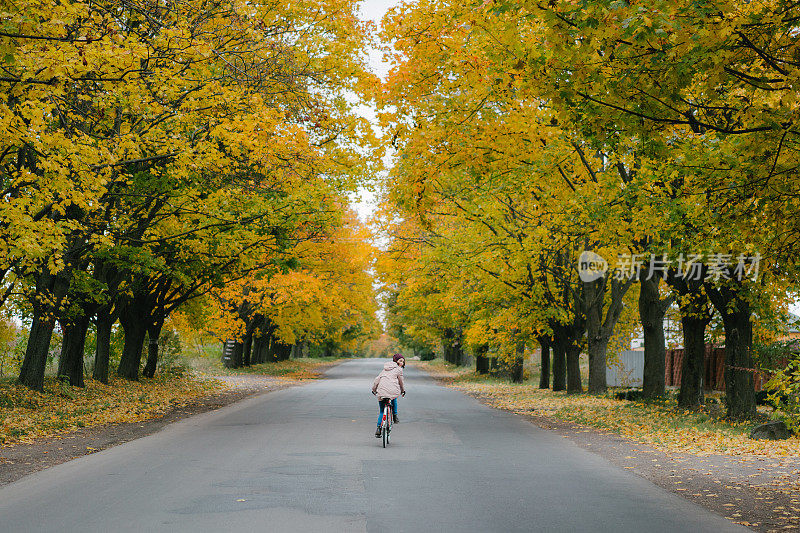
pixel 714 378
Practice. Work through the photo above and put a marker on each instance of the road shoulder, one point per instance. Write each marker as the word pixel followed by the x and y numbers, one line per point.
pixel 762 493
pixel 758 492
pixel 20 460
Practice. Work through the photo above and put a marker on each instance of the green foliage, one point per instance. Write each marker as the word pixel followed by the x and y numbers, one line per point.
pixel 117 343
pixel 12 347
pixel 781 359
pixel 64 387
pixel 170 349
pixel 774 356
pixel 784 388
pixel 427 355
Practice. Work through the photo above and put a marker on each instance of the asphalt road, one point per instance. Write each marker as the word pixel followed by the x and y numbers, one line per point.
pixel 306 459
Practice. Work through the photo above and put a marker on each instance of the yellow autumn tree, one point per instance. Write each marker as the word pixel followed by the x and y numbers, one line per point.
pixel 132 132
pixel 318 293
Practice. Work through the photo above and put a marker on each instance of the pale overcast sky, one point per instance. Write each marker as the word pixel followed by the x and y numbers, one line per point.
pixel 373 10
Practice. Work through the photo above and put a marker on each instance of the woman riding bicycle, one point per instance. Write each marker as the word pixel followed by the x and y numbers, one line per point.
pixel 388 386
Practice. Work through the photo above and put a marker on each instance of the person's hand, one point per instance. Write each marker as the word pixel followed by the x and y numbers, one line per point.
pixel 403 394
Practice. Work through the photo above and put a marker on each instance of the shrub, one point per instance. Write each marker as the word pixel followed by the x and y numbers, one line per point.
pixel 784 393
pixel 427 355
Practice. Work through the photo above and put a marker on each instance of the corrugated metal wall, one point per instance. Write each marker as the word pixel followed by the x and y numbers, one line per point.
pixel 629 372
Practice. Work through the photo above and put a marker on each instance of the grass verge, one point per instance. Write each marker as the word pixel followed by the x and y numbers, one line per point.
pixel 26 415
pixel 660 424
pixel 293 369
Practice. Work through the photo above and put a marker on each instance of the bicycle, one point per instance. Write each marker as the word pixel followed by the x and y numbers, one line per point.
pixel 386 420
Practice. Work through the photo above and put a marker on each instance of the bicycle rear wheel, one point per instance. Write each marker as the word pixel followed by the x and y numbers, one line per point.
pixel 385 426
pixel 389 415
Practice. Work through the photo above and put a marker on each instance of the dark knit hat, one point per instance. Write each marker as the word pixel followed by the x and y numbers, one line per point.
pixel 397 357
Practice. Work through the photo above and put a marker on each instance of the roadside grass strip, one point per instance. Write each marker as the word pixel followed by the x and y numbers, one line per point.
pixel 661 424
pixel 26 415
pixel 293 369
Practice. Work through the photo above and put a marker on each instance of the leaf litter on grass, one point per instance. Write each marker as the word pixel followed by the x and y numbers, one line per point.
pixel 662 425
pixel 26 415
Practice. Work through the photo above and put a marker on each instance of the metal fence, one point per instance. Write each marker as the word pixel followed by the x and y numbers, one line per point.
pixel 628 371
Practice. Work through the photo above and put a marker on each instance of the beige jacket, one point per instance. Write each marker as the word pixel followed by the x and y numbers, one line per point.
pixel 389 383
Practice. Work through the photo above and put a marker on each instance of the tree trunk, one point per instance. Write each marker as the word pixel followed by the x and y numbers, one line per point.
pixel 458 348
pixel 258 351
pixel 447 345
pixel 544 377
pixel 481 361
pixel 730 302
pixel 248 348
pixel 70 362
pixel 597 366
pixel 270 345
pixel 153 334
pixel 566 356
pixel 740 394
pixel 651 315
pixel 236 357
pixel 601 321
pixel 135 327
pixel 281 351
pixel 297 351
pixel 692 370
pixel 518 364
pixel 593 303
pixel 32 372
pixel 559 365
pixel 453 349
pixel 695 317
pixel 574 384
pixel 50 291
pixel 150 363
pixel 263 352
pixel 102 354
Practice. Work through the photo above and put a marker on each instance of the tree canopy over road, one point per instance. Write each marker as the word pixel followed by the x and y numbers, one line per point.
pixel 660 136
pixel 196 159
pixel 160 154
